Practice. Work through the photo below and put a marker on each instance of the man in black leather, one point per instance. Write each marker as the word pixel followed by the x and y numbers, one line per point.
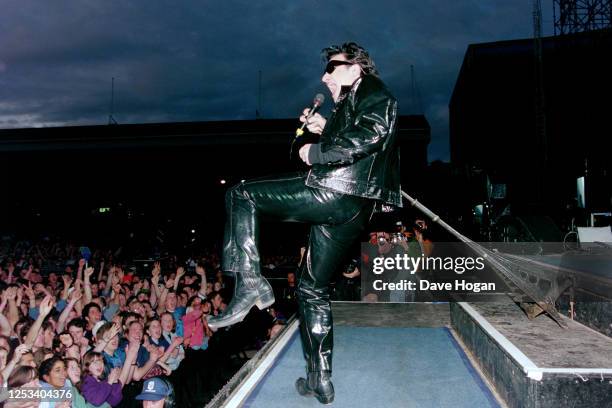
pixel 354 167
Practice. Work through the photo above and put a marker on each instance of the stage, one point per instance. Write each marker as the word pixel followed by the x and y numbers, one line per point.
pixel 385 355
pixel 437 355
pixel 536 363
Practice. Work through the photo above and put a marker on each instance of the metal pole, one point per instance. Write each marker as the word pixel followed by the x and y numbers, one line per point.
pixel 521 289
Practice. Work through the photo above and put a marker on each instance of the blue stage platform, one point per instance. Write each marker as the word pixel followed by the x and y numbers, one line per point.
pixel 380 367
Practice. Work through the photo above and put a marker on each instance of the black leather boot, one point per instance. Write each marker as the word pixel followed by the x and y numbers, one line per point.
pixel 250 290
pixel 317 385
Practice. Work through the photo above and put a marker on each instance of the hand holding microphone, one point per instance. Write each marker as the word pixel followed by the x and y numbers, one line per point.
pixel 311 119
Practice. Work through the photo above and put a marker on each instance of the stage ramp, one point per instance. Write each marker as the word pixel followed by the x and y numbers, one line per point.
pixel 385 355
pixel 536 363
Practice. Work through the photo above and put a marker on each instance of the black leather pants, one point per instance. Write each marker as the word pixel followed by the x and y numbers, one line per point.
pixel 336 222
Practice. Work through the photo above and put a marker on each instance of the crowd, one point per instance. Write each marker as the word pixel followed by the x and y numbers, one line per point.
pixel 93 333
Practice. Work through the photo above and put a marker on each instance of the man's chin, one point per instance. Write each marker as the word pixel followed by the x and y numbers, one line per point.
pixel 334 91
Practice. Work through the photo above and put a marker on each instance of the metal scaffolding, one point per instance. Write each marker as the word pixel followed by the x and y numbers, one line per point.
pixel 572 16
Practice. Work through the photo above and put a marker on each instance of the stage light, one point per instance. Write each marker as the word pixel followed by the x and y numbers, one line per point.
pixel 193 231
pixel 222 181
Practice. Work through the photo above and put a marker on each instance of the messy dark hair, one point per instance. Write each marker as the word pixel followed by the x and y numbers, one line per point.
pixel 354 53
pixel 46 366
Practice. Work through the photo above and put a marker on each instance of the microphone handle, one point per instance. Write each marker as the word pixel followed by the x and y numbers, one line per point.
pixel 299 132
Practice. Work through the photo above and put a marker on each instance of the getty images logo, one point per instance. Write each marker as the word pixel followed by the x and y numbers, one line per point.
pixel 432 263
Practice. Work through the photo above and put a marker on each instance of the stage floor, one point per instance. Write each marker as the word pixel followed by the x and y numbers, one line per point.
pixel 546 343
pixel 382 366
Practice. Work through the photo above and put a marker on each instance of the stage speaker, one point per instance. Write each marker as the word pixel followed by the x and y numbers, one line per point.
pixel 595 234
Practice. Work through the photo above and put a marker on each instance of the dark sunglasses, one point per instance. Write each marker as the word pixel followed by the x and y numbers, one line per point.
pixel 331 65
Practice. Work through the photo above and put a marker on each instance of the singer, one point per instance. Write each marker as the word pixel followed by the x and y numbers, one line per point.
pixel 353 169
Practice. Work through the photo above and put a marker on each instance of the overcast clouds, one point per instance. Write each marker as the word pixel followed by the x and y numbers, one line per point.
pixel 198 60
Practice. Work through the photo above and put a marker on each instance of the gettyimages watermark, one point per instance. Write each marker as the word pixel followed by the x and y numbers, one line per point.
pixel 411 264
pixel 405 271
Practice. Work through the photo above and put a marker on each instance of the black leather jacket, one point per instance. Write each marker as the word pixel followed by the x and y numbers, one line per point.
pixel 357 152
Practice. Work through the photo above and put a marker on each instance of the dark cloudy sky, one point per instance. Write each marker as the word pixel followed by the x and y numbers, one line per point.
pixel 193 60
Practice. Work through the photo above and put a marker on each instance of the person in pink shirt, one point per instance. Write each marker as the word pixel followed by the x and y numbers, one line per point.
pixel 195 328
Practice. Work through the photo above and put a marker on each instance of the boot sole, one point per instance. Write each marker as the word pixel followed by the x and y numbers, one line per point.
pixel 264 301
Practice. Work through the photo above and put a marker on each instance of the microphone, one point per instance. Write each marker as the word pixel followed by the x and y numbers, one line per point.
pixel 316 104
